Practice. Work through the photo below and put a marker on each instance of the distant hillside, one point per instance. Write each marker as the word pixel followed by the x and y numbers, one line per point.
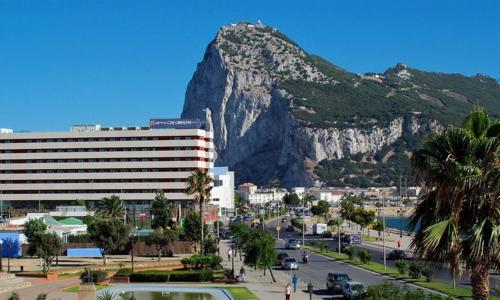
pixel 281 113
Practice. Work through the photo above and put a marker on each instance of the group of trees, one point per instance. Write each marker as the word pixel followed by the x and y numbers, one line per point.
pixel 352 209
pixel 258 246
pixel 45 245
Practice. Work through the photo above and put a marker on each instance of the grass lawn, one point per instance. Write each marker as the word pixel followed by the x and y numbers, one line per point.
pixel 241 293
pixel 437 285
pixel 76 288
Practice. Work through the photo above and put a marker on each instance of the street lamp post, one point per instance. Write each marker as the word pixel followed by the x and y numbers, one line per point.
pixel 383 232
pixel 232 258
pixel 132 251
pixel 303 221
pixel 1 254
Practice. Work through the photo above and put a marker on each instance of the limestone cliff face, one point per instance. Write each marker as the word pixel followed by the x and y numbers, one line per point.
pixel 255 130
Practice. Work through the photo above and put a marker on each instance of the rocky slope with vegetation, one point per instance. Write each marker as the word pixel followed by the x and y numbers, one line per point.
pixel 280 113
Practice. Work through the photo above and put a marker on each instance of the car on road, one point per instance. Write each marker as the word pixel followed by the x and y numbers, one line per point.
pixel 397 254
pixel 327 234
pixel 290 228
pixel 290 264
pixel 293 244
pixel 336 281
pixel 353 289
pixel 280 258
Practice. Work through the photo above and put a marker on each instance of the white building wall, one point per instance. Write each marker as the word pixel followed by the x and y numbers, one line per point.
pixel 223 195
pixel 90 165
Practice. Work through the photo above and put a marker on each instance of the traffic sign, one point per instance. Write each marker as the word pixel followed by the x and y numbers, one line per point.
pixel 278 228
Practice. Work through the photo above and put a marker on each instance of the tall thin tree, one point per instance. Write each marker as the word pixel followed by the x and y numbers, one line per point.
pixel 199 184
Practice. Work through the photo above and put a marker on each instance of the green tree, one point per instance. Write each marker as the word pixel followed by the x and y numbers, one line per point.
pixel 363 218
pixel 31 229
pixel 460 212
pixel 199 184
pixel 364 256
pixel 321 209
pixel 260 251
pixel 192 226
pixel 161 211
pixel 162 239
pixel 378 226
pixel 210 245
pixel 41 296
pixel 14 296
pixel 308 199
pixel 108 235
pixel 46 246
pixel 111 207
pixel 291 199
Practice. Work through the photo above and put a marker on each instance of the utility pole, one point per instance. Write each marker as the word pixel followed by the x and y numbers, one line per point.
pixel 383 232
pixel 303 222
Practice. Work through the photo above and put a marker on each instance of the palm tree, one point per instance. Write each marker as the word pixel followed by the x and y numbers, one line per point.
pixel 459 214
pixel 199 184
pixel 111 207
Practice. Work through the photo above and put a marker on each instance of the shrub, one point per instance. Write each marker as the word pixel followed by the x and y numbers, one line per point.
pixel 427 272
pixel 401 265
pixel 364 256
pixel 390 291
pixel 322 246
pixel 349 250
pixel 123 272
pixel 202 262
pixel 41 296
pixel 172 276
pixel 97 275
pixel 415 270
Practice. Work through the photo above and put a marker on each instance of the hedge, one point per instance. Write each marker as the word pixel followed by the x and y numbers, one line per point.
pixel 172 276
pixel 97 275
pixel 198 262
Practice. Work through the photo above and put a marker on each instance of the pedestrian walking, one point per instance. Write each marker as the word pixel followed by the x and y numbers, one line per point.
pixel 242 274
pixel 229 253
pixel 295 280
pixel 288 291
pixel 399 244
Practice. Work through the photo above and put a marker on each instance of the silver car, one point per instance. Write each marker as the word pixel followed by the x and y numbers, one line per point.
pixel 290 264
pixel 352 289
pixel 293 244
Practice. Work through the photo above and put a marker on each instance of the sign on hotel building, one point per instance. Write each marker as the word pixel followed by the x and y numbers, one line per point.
pixel 91 162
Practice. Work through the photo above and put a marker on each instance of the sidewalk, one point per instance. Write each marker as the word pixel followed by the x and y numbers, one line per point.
pixel 262 285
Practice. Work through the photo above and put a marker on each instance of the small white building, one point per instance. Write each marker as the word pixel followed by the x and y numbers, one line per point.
pixel 300 191
pixel 222 193
pixel 265 196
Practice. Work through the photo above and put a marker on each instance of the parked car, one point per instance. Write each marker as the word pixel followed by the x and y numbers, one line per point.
pixel 353 289
pixel 290 264
pixel 280 258
pixel 327 234
pixel 290 228
pixel 397 254
pixel 293 244
pixel 335 282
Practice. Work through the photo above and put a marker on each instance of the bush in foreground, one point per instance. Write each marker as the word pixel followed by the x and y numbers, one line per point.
pixel 390 291
pixel 97 275
pixel 198 262
pixel 364 256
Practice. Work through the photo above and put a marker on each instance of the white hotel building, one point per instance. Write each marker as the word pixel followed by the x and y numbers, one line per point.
pixel 92 162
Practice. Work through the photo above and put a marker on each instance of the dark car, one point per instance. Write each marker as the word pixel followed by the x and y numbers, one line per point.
pixel 397 254
pixel 280 258
pixel 327 234
pixel 336 281
pixel 290 228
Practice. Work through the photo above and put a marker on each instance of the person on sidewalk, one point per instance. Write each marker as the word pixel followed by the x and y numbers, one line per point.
pixel 288 291
pixel 229 253
pixel 242 274
pixel 295 280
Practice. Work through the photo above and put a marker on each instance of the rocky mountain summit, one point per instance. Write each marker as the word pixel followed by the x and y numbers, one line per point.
pixel 280 113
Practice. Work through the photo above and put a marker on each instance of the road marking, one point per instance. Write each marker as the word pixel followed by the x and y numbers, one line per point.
pixel 375 273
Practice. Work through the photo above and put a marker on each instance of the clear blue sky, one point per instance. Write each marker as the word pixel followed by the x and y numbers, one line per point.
pixel 122 62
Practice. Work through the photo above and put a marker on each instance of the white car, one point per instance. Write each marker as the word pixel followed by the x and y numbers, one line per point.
pixel 352 289
pixel 290 264
pixel 293 244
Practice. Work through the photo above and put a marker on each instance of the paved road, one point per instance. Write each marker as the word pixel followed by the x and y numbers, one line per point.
pixel 377 255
